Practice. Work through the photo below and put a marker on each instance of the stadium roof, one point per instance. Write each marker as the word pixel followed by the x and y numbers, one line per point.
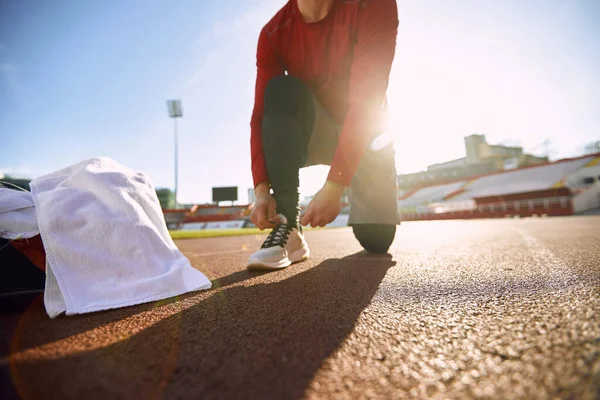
pixel 525 179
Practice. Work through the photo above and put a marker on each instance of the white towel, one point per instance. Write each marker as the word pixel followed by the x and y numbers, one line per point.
pixel 17 215
pixel 106 240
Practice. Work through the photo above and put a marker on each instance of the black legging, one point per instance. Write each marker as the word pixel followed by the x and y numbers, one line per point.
pixel 288 121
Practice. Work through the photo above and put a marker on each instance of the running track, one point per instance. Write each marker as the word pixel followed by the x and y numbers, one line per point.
pixel 460 309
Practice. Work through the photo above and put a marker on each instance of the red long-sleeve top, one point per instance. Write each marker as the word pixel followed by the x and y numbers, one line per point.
pixel 344 59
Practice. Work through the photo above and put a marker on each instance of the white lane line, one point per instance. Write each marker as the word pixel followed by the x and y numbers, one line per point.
pixel 557 270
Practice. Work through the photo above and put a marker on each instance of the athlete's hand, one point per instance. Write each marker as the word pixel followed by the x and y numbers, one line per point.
pixel 324 207
pixel 263 211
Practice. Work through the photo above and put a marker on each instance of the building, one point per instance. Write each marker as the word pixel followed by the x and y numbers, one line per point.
pixel 481 158
pixel 506 157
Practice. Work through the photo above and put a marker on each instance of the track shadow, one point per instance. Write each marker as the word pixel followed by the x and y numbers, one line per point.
pixel 236 277
pixel 260 341
pixel 26 310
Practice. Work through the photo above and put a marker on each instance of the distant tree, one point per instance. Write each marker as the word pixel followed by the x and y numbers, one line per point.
pixel 592 147
pixel 545 149
pixel 166 198
pixel 10 182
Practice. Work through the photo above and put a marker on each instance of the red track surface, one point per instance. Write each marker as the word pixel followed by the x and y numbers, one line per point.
pixel 460 309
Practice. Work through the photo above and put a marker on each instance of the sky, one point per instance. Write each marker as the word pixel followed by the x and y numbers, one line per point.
pixel 81 79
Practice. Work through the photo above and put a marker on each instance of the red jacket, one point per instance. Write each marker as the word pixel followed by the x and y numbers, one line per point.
pixel 345 60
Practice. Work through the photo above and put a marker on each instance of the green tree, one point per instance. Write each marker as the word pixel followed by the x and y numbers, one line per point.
pixel 592 147
pixel 166 198
pixel 10 182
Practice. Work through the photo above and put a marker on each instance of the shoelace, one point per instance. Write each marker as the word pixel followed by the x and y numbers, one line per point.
pixel 278 236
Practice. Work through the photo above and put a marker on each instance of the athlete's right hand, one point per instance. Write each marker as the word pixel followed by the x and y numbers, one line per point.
pixel 264 209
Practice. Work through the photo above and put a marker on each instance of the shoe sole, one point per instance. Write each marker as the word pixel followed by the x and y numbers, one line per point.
pixel 299 255
pixel 295 257
pixel 258 265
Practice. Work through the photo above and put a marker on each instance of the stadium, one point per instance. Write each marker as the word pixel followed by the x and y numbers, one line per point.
pixel 442 242
pixel 564 187
pixel 512 185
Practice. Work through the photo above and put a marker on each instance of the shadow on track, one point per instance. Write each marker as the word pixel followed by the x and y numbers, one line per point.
pixel 261 341
pixel 27 309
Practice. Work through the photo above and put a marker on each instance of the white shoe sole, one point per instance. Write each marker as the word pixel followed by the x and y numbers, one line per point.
pixel 295 257
pixel 256 264
pixel 299 255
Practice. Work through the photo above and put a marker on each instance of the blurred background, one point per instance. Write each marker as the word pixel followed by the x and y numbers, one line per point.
pixel 477 88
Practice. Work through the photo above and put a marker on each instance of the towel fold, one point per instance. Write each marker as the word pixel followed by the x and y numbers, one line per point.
pixel 17 215
pixel 106 241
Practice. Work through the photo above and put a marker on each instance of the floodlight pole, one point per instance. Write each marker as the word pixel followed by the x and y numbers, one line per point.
pixel 175 111
pixel 176 163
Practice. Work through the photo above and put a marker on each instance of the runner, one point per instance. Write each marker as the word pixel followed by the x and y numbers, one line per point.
pixel 322 74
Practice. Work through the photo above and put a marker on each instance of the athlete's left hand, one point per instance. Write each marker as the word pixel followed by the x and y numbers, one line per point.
pixel 324 207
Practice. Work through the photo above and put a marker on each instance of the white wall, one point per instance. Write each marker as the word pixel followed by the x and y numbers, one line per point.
pixel 575 179
pixel 587 199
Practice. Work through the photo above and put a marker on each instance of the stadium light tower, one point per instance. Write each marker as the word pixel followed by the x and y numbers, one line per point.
pixel 175 111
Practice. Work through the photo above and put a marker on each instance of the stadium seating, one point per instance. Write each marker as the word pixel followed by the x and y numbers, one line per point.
pixel 536 190
pixel 430 194
pixel 521 180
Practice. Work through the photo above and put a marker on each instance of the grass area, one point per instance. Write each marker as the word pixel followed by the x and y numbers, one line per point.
pixel 208 233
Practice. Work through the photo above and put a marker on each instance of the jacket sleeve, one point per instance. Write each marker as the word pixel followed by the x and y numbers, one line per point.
pixel 377 28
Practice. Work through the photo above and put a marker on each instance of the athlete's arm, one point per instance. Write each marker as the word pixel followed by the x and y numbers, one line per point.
pixel 373 55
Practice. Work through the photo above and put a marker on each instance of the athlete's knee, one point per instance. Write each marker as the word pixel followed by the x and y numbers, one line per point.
pixel 287 96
